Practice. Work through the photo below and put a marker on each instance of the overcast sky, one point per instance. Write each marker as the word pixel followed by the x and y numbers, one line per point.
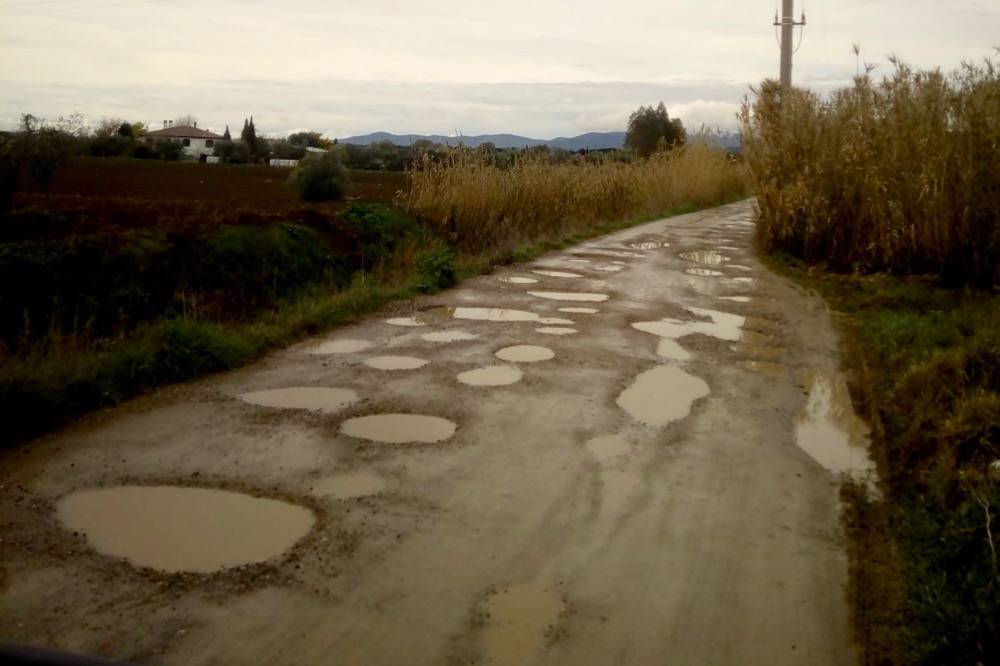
pixel 541 68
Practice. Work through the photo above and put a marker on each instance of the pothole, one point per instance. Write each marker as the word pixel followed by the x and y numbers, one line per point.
pixel 829 430
pixel 555 321
pixel 703 272
pixel 745 280
pixel 519 619
pixel 494 314
pixel 396 362
pixel 556 330
pixel 609 269
pixel 662 395
pixel 399 428
pixel 177 529
pixel 558 274
pixel 494 375
pixel 525 354
pixel 405 321
pixel 739 267
pixel 448 336
pixel 579 310
pixel 570 296
pixel 608 447
pixel 721 325
pixel 649 245
pixel 350 485
pixel 735 299
pixel 672 350
pixel 341 347
pixel 518 280
pixel 309 398
pixel 704 257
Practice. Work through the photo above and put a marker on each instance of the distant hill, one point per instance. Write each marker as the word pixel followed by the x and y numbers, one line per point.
pixel 588 141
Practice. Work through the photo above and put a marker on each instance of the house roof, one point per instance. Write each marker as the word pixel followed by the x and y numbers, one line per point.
pixel 184 132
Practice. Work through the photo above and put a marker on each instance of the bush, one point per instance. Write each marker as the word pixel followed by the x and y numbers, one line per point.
pixel 320 178
pixel 168 150
pixel 378 230
pixel 437 269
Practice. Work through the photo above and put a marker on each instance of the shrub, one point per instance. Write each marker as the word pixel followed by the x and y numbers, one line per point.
pixel 320 178
pixel 437 269
pixel 168 150
pixel 379 230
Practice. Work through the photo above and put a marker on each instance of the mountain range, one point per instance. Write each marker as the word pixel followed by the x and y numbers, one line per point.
pixel 588 141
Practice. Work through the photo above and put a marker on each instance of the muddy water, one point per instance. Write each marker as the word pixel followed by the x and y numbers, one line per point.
pixel 448 336
pixel 176 529
pixel 739 267
pixel 703 272
pixel 609 269
pixel 579 261
pixel 341 347
pixel 745 280
pixel 396 362
pixel 399 428
pixel 556 330
pixel 671 349
pixel 310 398
pixel 705 257
pixel 557 274
pixel 829 430
pixel 579 310
pixel 736 299
pixel 661 395
pixel 649 245
pixel 525 354
pixel 721 325
pixel 600 252
pixel 570 296
pixel 555 321
pixel 519 280
pixel 519 621
pixel 350 485
pixel 494 314
pixel 494 375
pixel 405 321
pixel 608 448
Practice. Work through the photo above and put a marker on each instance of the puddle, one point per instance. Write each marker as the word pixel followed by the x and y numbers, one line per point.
pixel 736 299
pixel 611 253
pixel 396 362
pixel 619 263
pixel 570 296
pixel 731 248
pixel 555 321
pixel 350 485
pixel 721 325
pixel 555 330
pixel 519 280
pixel 705 257
pixel 829 430
pixel 608 448
pixel 525 354
pixel 702 272
pixel 448 336
pixel 494 314
pixel 739 267
pixel 671 349
pixel 405 321
pixel 399 428
pixel 661 395
pixel 649 245
pixel 177 529
pixel 579 310
pixel 557 274
pixel 746 280
pixel 519 620
pixel 340 347
pixel 494 375
pixel 310 398
pixel 579 261
pixel 609 269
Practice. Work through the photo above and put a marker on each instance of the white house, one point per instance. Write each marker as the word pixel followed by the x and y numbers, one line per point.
pixel 195 142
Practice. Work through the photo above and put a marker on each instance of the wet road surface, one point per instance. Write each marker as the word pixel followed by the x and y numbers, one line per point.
pixel 627 452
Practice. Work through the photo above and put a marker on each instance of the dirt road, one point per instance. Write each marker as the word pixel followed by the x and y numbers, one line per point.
pixel 633 495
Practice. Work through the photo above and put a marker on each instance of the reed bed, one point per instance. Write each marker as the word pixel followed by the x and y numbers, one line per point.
pixel 900 175
pixel 484 207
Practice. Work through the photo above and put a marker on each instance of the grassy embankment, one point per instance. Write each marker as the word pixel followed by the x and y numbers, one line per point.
pixel 886 200
pixel 118 294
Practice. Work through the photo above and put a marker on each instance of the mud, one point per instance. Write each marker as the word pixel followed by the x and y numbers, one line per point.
pixel 396 362
pixel 449 336
pixel 350 485
pixel 703 272
pixel 518 280
pixel 579 310
pixel 405 322
pixel 175 529
pixel 494 314
pixel 570 296
pixel 714 323
pixel 310 398
pixel 608 447
pixel 494 375
pixel 828 429
pixel 519 620
pixel 399 428
pixel 558 274
pixel 705 257
pixel 525 354
pixel 556 330
pixel 661 395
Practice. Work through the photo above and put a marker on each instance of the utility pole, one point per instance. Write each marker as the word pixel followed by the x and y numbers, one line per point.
pixel 788 24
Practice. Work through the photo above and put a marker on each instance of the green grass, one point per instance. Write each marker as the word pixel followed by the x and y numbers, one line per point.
pixel 926 367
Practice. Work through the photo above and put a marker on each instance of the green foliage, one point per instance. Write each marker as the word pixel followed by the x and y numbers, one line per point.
pixel 436 267
pixel 378 230
pixel 248 136
pixel 306 139
pixel 651 129
pixel 320 178
pixel 31 156
pixel 232 152
pixel 168 150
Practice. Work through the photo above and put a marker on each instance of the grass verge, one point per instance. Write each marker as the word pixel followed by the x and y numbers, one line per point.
pixel 925 367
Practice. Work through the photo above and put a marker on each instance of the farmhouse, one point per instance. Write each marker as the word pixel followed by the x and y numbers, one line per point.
pixel 195 142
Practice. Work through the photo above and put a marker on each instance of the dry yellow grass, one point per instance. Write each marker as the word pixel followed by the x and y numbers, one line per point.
pixel 900 175
pixel 485 207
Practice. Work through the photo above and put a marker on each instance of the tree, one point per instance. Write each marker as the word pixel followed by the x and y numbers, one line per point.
pixel 108 127
pixel 307 139
pixel 187 120
pixel 320 177
pixel 650 129
pixel 249 137
pixel 226 136
pixel 32 155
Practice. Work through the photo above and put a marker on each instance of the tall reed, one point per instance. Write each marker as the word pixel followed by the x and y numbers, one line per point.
pixel 900 175
pixel 483 206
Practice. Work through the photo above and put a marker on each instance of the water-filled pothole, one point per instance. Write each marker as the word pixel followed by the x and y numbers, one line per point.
pixel 448 336
pixel 176 529
pixel 671 349
pixel 396 362
pixel 705 257
pixel 736 299
pixel 399 428
pixel 494 314
pixel 556 330
pixel 525 354
pixel 570 296
pixel 340 347
pixel 703 272
pixel 661 395
pixel 613 268
pixel 494 375
pixel 721 325
pixel 518 280
pixel 405 321
pixel 350 485
pixel 829 430
pixel 555 321
pixel 558 274
pixel 518 621
pixel 649 245
pixel 579 310
pixel 739 267
pixel 310 398
pixel 608 447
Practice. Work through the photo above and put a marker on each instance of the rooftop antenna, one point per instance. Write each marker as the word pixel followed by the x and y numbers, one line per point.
pixel 787 23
